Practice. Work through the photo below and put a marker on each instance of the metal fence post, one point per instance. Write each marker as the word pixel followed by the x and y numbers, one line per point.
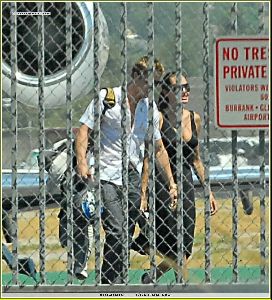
pixel 42 192
pixel 206 96
pixel 151 143
pixel 14 130
pixel 262 174
pixel 234 17
pixel 124 124
pixel 179 138
pixel 69 133
pixel 97 120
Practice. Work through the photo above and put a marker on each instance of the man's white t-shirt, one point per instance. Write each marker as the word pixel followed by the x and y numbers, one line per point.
pixel 111 135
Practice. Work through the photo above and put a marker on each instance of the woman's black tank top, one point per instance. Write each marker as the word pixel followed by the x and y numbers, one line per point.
pixel 169 141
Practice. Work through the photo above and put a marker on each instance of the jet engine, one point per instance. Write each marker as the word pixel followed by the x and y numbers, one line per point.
pixel 54 51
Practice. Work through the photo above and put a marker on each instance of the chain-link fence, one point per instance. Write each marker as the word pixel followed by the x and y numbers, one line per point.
pixel 53 64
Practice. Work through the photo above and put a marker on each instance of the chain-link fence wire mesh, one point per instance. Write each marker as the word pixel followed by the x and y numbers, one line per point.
pixel 252 19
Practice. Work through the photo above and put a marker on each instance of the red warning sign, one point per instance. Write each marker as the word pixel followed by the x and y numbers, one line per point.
pixel 242 82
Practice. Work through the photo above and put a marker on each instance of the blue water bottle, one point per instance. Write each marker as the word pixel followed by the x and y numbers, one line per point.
pixel 88 204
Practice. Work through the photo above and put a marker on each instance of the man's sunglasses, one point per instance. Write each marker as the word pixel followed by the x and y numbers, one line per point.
pixel 185 88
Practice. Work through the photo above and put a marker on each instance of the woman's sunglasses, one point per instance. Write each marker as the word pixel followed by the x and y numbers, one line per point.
pixel 185 88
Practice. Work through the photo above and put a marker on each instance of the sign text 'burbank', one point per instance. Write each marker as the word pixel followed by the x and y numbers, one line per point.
pixel 242 82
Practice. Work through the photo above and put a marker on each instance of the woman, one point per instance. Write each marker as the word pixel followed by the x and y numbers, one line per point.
pixel 166 221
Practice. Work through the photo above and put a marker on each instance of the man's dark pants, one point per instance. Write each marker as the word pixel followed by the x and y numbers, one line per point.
pixel 112 220
pixel 80 228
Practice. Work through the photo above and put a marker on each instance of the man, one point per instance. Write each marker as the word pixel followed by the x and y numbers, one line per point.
pixel 111 160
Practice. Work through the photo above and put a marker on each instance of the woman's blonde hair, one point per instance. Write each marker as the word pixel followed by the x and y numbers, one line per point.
pixel 141 66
